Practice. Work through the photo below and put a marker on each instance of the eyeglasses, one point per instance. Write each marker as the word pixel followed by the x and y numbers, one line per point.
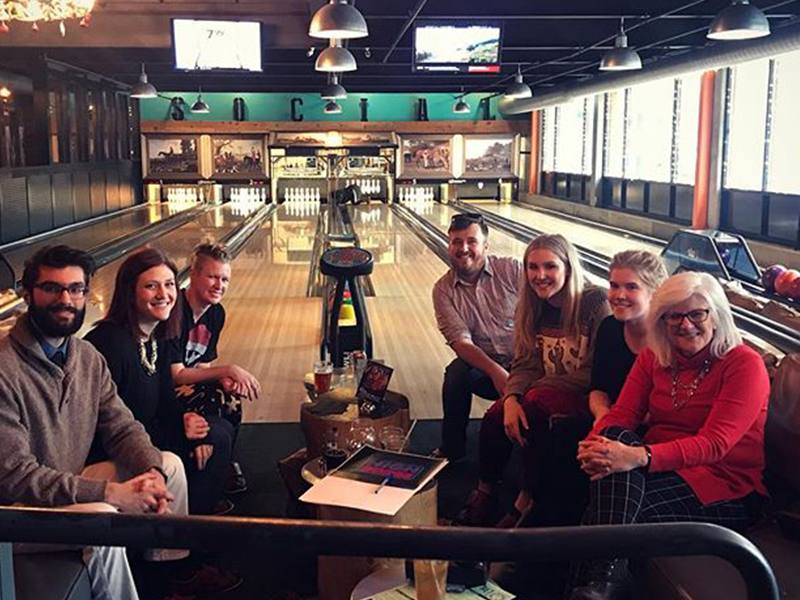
pixel 75 290
pixel 697 316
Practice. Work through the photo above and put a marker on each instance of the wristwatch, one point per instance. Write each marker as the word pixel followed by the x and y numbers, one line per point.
pixel 649 457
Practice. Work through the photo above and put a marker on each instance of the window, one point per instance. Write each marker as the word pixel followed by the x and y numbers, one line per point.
pixel 747 117
pixel 614 151
pixel 570 135
pixel 648 152
pixel 783 175
pixel 688 119
pixel 549 139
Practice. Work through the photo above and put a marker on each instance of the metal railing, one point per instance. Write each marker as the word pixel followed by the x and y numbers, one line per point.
pixel 393 541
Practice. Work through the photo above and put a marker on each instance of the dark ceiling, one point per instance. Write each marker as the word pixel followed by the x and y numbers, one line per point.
pixel 554 41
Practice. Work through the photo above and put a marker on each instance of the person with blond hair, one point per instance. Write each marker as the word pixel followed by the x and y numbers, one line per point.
pixel 555 327
pixel 702 457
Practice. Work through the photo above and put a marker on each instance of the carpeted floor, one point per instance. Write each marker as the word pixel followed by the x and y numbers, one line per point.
pixel 258 449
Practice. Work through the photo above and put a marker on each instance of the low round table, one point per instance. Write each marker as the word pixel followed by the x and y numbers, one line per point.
pixel 317 427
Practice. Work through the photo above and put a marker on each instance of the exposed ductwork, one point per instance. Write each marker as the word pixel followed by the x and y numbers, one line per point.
pixel 713 57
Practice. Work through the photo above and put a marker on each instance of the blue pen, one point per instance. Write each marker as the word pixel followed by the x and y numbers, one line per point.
pixel 383 483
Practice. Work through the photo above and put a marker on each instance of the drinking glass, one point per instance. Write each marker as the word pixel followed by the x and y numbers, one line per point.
pixel 323 372
pixel 393 438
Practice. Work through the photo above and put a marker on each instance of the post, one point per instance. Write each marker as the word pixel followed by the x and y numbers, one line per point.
pixel 702 177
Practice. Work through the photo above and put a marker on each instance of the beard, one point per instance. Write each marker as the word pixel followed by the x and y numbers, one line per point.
pixel 44 319
pixel 466 272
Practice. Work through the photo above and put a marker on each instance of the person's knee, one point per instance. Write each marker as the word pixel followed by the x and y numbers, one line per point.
pixel 173 467
pixel 456 374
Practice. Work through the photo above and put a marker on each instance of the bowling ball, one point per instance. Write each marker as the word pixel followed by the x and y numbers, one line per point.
pixel 794 290
pixel 769 276
pixel 784 281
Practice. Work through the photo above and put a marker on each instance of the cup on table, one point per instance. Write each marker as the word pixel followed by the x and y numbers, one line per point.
pixel 393 438
pixel 323 372
pixel 430 579
pixel 361 434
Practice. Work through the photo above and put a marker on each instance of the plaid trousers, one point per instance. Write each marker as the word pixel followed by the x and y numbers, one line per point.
pixel 640 497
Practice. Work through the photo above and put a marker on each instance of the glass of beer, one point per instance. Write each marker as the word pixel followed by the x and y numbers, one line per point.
pixel 323 372
pixel 430 579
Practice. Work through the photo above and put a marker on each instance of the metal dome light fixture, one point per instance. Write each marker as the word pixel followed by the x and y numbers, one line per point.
pixel 335 59
pixel 519 89
pixel 332 108
pixel 461 107
pixel 620 57
pixel 739 21
pixel 200 107
pixel 334 90
pixel 339 20
pixel 143 89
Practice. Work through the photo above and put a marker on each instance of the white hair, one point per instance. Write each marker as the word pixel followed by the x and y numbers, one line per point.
pixel 681 287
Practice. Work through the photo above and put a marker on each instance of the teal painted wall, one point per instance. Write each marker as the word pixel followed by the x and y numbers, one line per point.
pixel 276 107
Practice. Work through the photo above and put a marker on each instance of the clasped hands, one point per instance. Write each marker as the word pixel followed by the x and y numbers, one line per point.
pixel 145 493
pixel 599 456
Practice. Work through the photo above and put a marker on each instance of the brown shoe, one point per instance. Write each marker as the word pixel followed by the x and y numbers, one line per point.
pixel 208 580
pixel 479 509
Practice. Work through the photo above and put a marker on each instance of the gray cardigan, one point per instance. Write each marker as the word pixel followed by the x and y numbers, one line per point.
pixel 48 420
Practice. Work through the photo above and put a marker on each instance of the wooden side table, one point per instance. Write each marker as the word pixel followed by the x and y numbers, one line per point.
pixel 337 576
pixel 316 427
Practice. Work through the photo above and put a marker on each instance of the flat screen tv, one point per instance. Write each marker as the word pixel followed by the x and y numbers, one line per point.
pixel 463 46
pixel 212 45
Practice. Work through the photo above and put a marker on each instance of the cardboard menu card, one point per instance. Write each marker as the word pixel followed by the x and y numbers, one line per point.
pixel 375 480
pixel 372 388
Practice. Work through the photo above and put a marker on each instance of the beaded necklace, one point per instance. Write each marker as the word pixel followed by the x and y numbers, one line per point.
pixel 149 363
pixel 689 388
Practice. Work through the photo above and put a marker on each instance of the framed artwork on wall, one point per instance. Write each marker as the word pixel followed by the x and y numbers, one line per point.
pixel 235 157
pixel 426 157
pixel 174 156
pixel 488 156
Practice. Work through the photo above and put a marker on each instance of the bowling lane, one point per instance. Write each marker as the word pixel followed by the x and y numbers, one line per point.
pixel 177 244
pixel 97 233
pixel 401 314
pixel 272 328
pixel 595 238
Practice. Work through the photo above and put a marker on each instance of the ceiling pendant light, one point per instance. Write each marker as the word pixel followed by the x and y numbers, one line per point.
pixel 143 89
pixel 519 89
pixel 339 20
pixel 461 107
pixel 332 108
pixel 739 21
pixel 620 57
pixel 335 59
pixel 200 107
pixel 334 90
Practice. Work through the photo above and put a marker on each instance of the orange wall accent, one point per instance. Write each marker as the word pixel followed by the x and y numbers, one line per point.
pixel 702 177
pixel 536 151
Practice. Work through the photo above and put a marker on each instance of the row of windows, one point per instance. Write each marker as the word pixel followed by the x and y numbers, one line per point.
pixel 649 131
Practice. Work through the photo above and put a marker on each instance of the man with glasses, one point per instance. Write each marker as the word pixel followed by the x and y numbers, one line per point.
pixel 474 304
pixel 56 394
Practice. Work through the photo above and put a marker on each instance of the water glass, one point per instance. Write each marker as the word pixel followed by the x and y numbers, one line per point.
pixel 393 438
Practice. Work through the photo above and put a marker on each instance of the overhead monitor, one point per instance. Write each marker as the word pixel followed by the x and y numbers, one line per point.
pixel 458 46
pixel 216 45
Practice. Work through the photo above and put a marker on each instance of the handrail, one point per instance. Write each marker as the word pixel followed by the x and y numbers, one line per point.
pixel 359 539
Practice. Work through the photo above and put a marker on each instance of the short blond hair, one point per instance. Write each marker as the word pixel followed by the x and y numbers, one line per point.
pixel 207 250
pixel 681 287
pixel 648 266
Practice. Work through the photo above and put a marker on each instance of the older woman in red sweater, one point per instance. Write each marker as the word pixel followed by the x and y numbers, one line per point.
pixel 702 456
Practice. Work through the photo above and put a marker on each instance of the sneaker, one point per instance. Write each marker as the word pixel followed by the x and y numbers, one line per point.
pixel 208 580
pixel 222 507
pixel 236 481
pixel 479 509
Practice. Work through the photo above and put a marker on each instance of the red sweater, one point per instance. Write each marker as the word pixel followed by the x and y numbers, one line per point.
pixel 715 442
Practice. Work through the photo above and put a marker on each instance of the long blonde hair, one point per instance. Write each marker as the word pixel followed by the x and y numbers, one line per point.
pixel 529 305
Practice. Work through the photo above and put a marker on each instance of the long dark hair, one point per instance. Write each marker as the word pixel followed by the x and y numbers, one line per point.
pixel 123 304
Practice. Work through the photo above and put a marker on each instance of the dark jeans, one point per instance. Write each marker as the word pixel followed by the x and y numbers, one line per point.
pixel 461 381
pixel 205 487
pixel 542 406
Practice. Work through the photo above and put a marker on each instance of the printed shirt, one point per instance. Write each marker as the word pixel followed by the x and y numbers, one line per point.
pixel 481 312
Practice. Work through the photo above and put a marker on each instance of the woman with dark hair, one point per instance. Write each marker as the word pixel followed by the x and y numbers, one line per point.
pixel 133 339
